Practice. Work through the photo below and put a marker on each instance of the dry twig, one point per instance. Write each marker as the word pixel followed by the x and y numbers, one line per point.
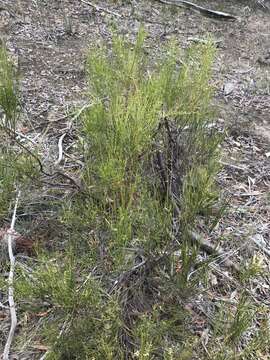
pixel 99 8
pixel 13 136
pixel 210 249
pixel 11 302
pixel 219 15
pixel 261 246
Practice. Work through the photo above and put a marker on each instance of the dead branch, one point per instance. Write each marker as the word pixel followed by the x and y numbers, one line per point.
pixel 219 15
pixel 195 238
pixel 12 309
pixel 102 9
pixel 212 250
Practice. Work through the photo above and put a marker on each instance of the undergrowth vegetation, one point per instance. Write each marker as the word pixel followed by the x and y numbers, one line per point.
pixel 123 285
pixel 15 166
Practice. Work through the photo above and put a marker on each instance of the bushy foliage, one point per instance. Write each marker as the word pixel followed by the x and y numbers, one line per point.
pixel 119 288
pixel 15 166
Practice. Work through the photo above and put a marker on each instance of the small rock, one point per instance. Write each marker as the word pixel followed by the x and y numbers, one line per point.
pixel 229 88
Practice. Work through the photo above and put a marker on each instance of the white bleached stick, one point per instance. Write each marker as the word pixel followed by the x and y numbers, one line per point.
pixel 12 309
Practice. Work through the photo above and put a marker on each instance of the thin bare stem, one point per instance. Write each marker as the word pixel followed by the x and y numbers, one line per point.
pixel 12 309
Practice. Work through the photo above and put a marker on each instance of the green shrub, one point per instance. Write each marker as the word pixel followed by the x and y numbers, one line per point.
pixel 122 134
pixel 83 321
pixel 8 89
pixel 16 166
pixel 123 207
pixel 118 290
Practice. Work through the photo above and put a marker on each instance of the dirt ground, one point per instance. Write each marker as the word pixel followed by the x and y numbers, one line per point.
pixel 48 41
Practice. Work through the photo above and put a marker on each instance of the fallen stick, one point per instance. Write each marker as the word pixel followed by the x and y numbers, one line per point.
pixel 261 246
pixel 233 166
pixel 210 249
pixel 219 15
pixel 12 309
pixel 99 8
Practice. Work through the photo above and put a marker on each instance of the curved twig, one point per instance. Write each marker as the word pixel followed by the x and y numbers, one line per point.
pixel 60 149
pixel 13 135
